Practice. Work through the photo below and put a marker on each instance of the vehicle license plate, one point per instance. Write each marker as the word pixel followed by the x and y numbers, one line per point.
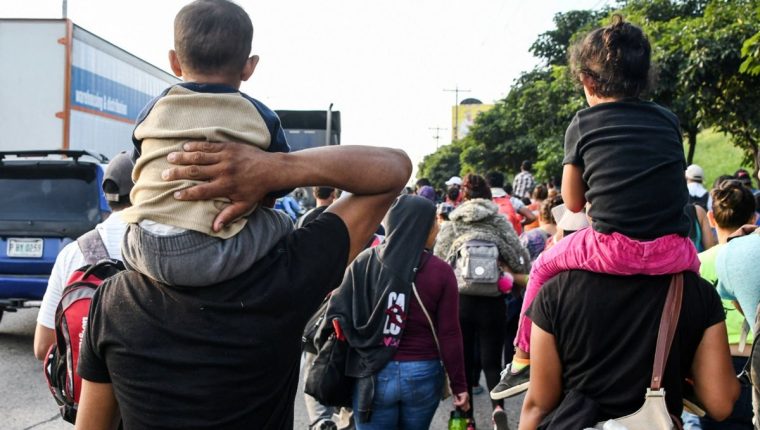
pixel 24 248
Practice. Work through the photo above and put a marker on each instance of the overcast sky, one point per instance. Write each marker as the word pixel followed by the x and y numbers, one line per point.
pixel 384 64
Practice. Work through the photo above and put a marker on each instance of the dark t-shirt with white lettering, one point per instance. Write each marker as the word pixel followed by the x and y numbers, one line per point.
pixel 220 357
pixel 605 327
pixel 632 158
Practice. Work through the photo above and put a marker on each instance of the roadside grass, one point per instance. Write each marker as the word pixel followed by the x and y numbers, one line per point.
pixel 716 155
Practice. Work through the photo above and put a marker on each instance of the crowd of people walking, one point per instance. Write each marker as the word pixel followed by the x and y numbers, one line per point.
pixel 601 297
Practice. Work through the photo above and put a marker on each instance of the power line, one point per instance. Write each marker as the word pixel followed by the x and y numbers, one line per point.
pixel 456 91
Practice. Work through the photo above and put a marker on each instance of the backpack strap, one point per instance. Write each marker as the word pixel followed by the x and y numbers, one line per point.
pixel 747 371
pixel 454 249
pixel 668 324
pixel 92 247
pixel 743 336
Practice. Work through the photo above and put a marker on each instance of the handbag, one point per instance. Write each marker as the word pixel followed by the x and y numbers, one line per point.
pixel 446 389
pixel 327 380
pixel 654 415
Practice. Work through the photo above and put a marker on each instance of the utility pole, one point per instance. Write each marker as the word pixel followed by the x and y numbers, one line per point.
pixel 437 134
pixel 64 9
pixel 456 91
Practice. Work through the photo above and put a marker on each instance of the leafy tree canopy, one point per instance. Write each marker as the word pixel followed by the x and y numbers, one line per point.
pixel 707 58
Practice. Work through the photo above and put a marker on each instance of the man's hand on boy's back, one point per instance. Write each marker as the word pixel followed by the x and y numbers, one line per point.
pixel 236 171
pixel 245 174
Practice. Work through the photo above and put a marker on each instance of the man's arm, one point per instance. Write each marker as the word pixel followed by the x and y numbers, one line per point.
pixel 244 174
pixel 98 409
pixel 545 379
pixel 65 263
pixel 573 187
pixel 715 382
pixel 527 215
pixel 43 338
pixel 708 237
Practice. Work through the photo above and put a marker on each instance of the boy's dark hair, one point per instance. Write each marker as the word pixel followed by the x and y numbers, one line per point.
pixel 732 205
pixel 526 165
pixel 213 36
pixel 540 192
pixel 475 187
pixel 495 180
pixel 616 57
pixel 323 193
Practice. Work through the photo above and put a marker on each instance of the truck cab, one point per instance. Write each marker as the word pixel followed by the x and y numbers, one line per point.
pixel 48 199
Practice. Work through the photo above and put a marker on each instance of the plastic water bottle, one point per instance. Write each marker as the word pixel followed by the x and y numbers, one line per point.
pixel 457 421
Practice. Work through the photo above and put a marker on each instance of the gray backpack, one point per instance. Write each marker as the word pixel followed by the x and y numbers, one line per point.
pixel 477 268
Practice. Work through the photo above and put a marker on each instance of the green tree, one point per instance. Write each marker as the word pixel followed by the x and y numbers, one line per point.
pixel 441 165
pixel 698 53
pixel 664 21
pixel 724 29
pixel 552 45
pixel 707 57
pixel 664 10
pixel 751 55
pixel 495 144
pixel 529 123
pixel 751 51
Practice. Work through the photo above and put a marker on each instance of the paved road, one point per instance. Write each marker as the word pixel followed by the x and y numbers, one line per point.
pixel 26 403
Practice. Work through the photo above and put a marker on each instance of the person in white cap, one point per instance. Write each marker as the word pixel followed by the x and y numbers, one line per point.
pixel 453 192
pixel 697 192
pixel 117 183
pixel 454 180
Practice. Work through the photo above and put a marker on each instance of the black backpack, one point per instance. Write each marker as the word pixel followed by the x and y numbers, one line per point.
pixel 313 327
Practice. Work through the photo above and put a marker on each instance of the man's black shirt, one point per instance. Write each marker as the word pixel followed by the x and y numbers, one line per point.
pixel 606 327
pixel 220 357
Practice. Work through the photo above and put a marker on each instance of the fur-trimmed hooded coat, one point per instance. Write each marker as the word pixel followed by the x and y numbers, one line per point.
pixel 479 219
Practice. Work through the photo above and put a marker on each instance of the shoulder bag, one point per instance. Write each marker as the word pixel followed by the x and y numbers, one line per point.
pixel 654 415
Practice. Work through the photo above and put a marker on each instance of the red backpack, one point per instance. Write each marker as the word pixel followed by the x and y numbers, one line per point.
pixel 506 209
pixel 71 322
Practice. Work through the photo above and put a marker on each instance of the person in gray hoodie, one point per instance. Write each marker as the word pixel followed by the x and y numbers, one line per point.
pixel 482 317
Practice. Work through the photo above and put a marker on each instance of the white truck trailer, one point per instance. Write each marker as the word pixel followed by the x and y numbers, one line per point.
pixel 62 87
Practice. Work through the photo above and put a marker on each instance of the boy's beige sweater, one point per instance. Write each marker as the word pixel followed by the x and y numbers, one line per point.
pixel 183 115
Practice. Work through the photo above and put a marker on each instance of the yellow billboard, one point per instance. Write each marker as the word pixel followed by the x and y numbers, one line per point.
pixel 463 117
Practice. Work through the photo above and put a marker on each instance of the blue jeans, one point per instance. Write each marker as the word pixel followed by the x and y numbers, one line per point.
pixel 690 421
pixel 407 394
